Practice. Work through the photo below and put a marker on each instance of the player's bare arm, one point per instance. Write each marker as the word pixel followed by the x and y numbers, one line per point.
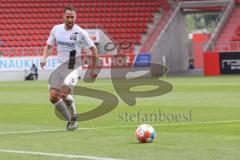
pixel 94 61
pixel 46 52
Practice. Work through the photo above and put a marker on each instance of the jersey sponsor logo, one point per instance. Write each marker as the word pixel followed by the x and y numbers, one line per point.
pixel 66 44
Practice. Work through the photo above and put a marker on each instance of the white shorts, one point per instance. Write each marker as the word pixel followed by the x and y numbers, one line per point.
pixel 64 77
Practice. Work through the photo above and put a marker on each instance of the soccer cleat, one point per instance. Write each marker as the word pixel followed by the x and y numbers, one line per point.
pixel 72 125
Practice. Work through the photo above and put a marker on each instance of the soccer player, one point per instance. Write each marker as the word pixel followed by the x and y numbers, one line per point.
pixel 69 39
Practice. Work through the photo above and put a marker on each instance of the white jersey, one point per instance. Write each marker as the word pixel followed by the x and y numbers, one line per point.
pixel 68 41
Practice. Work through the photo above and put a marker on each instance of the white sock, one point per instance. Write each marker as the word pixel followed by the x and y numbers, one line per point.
pixel 61 107
pixel 70 104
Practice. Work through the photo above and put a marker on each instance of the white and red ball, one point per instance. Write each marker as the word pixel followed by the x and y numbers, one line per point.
pixel 145 133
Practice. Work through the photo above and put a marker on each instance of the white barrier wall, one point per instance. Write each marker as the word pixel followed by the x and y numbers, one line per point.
pixel 20 75
pixel 17 68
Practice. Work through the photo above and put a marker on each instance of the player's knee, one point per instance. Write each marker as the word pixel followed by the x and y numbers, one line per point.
pixel 54 96
pixel 54 99
pixel 65 91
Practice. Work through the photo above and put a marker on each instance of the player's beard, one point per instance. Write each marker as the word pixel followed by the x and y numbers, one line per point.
pixel 69 25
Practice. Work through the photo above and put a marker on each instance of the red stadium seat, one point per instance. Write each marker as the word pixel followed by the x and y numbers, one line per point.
pixel 30 22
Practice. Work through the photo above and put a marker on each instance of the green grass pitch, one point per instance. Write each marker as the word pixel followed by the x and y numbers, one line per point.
pixel 209 131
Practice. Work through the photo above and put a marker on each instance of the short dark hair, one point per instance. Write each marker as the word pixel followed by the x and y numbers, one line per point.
pixel 70 8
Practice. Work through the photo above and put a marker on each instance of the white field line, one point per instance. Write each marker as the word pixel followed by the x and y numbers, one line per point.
pixel 57 155
pixel 118 127
pixel 38 131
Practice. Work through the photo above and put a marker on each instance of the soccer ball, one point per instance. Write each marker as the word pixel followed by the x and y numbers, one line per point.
pixel 145 133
